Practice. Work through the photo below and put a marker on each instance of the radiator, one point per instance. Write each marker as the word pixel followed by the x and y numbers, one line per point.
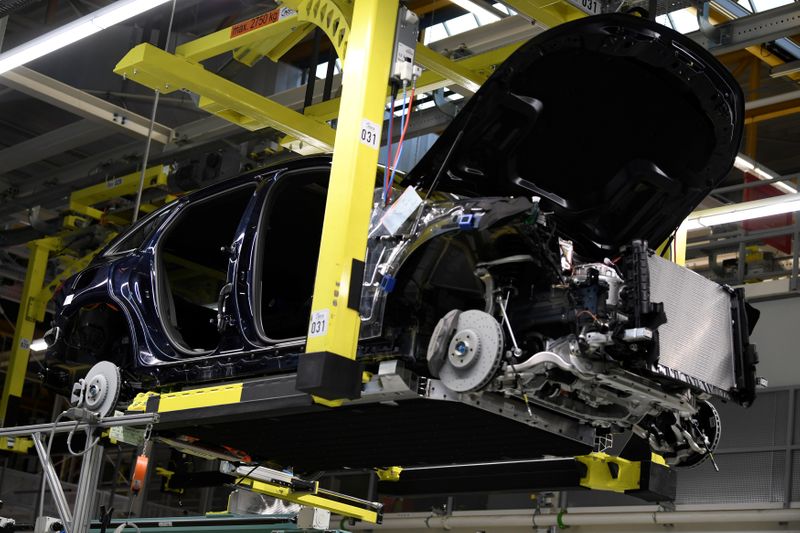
pixel 697 339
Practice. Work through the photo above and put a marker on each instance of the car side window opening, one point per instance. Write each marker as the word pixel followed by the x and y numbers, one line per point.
pixel 133 239
pixel 285 265
pixel 193 267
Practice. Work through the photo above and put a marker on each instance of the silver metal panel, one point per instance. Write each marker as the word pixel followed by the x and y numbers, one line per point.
pixel 697 339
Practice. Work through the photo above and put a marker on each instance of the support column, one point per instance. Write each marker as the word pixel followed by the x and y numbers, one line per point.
pixel 29 313
pixel 328 370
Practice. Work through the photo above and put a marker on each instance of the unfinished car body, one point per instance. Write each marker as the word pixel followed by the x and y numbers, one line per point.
pixel 514 265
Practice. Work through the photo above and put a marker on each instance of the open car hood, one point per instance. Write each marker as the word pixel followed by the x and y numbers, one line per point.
pixel 621 126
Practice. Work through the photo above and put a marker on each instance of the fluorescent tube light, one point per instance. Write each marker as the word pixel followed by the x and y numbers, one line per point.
pixel 473 7
pixel 776 205
pixel 38 345
pixel 75 31
pixel 745 164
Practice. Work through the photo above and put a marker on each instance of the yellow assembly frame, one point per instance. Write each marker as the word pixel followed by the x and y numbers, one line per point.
pixel 36 295
pixel 344 233
pixel 310 499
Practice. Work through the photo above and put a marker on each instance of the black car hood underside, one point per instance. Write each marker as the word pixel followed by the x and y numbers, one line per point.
pixel 621 125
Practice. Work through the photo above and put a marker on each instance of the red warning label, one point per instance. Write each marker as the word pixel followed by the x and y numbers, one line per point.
pixel 254 23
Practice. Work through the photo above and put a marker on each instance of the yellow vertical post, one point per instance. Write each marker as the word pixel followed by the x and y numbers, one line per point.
pixel 681 238
pixel 29 313
pixel 328 370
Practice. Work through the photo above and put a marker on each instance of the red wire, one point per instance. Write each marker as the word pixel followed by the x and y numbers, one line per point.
pixel 402 136
pixel 389 149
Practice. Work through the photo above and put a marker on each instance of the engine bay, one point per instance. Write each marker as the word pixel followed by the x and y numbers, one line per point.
pixel 626 343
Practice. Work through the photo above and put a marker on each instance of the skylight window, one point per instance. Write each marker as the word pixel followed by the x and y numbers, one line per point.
pixel 765 5
pixel 461 24
pixel 684 20
pixel 322 69
pixel 434 33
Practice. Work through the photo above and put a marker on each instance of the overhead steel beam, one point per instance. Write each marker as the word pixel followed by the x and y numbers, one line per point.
pixel 513 29
pixel 82 104
pixel 752 29
pixel 51 143
pixel 480 66
pixel 785 69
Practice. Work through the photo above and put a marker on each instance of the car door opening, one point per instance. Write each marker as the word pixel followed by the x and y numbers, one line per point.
pixel 286 258
pixel 193 260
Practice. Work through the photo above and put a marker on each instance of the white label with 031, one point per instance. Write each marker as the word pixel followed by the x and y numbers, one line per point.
pixel 592 7
pixel 318 326
pixel 369 133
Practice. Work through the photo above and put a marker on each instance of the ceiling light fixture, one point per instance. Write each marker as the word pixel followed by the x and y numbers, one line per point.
pixel 75 31
pixel 475 8
pixel 745 164
pixel 776 205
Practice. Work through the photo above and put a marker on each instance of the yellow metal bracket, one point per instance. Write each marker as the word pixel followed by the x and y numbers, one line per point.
pixel 391 473
pixel 16 444
pixel 275 32
pixel 610 473
pixel 333 17
pixel 227 394
pixel 311 499
pixel 166 476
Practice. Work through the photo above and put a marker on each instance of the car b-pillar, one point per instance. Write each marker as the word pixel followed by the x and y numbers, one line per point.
pixel 328 370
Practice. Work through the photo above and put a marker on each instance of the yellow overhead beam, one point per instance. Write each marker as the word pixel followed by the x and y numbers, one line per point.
pixel 783 109
pixel 155 176
pixel 447 68
pixel 274 49
pixel 335 320
pixel 548 12
pixel 272 25
pixel 166 73
pixel 275 32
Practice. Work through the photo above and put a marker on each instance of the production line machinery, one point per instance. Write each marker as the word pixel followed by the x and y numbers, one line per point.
pixel 176 418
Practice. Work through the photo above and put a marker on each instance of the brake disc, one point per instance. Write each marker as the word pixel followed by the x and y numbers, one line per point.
pixel 474 353
pixel 711 425
pixel 101 388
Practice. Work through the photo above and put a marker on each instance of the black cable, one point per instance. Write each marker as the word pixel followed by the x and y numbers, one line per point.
pixel 247 475
pixel 667 245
